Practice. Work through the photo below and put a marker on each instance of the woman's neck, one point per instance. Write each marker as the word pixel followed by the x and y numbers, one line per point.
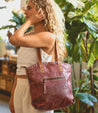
pixel 39 28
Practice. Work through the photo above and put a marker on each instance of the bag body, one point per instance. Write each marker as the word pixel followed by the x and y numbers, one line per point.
pixel 50 84
pixel 50 90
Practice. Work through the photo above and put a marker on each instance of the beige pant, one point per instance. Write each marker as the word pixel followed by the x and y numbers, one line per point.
pixel 20 101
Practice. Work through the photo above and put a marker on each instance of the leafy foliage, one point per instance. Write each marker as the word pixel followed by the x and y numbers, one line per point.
pixel 18 19
pixel 81 19
pixel 81 22
pixel 87 98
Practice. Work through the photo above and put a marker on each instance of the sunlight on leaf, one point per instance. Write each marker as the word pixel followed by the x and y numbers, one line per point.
pixel 76 3
pixel 91 60
pixel 91 25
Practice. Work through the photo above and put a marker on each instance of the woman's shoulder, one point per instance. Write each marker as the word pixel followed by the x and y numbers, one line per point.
pixel 47 34
pixel 44 33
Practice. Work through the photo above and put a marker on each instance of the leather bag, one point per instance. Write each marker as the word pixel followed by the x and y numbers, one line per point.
pixel 50 84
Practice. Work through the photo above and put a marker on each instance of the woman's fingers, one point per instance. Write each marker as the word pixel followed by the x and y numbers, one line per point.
pixel 41 14
pixel 42 17
pixel 40 11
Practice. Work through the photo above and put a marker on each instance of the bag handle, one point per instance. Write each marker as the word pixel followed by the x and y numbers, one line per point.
pixel 56 58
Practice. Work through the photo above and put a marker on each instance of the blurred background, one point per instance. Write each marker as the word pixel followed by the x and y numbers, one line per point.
pixel 81 41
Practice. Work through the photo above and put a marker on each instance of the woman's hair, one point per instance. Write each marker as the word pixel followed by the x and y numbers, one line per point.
pixel 54 22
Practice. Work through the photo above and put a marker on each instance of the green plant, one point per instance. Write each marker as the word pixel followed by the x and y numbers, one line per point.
pixel 18 19
pixel 82 94
pixel 81 22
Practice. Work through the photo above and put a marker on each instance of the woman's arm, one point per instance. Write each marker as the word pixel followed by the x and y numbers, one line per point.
pixel 42 39
pixel 15 38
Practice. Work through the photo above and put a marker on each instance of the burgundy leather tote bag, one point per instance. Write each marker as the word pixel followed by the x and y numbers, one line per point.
pixel 50 84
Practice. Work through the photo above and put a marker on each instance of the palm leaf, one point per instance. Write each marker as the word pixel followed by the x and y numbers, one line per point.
pixel 7 27
pixel 15 19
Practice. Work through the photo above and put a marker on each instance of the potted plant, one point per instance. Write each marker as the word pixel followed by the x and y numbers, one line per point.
pixel 17 20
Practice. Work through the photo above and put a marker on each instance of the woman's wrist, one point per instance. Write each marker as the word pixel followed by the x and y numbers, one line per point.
pixel 28 23
pixel 21 31
pixel 25 26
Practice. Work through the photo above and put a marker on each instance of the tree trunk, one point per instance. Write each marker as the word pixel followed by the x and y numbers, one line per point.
pixel 92 84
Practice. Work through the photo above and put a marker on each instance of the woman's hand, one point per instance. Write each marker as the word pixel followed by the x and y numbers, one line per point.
pixel 37 16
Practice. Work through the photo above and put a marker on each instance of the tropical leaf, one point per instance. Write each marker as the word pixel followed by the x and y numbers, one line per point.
pixel 96 2
pixel 96 48
pixel 83 53
pixel 91 25
pixel 85 71
pixel 88 6
pixel 76 88
pixel 57 1
pixel 74 29
pixel 7 27
pixel 20 14
pixel 76 53
pixel 18 26
pixel 76 3
pixel 29 29
pixel 87 98
pixel 11 20
pixel 95 71
pixel 96 90
pixel 16 20
pixel 69 48
pixel 16 15
pixel 92 47
pixel 93 33
pixel 22 17
pixel 95 77
pixel 95 85
pixel 74 18
pixel 91 60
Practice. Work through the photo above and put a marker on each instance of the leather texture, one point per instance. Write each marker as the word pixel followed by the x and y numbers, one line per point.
pixel 50 84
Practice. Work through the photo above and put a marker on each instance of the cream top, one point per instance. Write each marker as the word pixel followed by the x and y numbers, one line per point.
pixel 28 56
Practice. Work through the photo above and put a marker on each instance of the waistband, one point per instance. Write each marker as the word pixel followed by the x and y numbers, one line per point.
pixel 21 76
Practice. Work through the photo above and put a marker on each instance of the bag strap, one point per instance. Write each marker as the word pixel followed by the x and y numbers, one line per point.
pixel 56 58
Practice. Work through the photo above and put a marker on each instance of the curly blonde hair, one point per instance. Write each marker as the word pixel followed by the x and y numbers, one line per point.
pixel 54 22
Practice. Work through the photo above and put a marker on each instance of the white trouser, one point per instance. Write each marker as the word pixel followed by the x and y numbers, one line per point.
pixel 22 98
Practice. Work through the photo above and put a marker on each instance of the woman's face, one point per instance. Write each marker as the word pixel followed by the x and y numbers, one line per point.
pixel 29 9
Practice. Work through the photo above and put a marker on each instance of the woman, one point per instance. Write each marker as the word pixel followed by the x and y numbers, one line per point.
pixel 48 21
